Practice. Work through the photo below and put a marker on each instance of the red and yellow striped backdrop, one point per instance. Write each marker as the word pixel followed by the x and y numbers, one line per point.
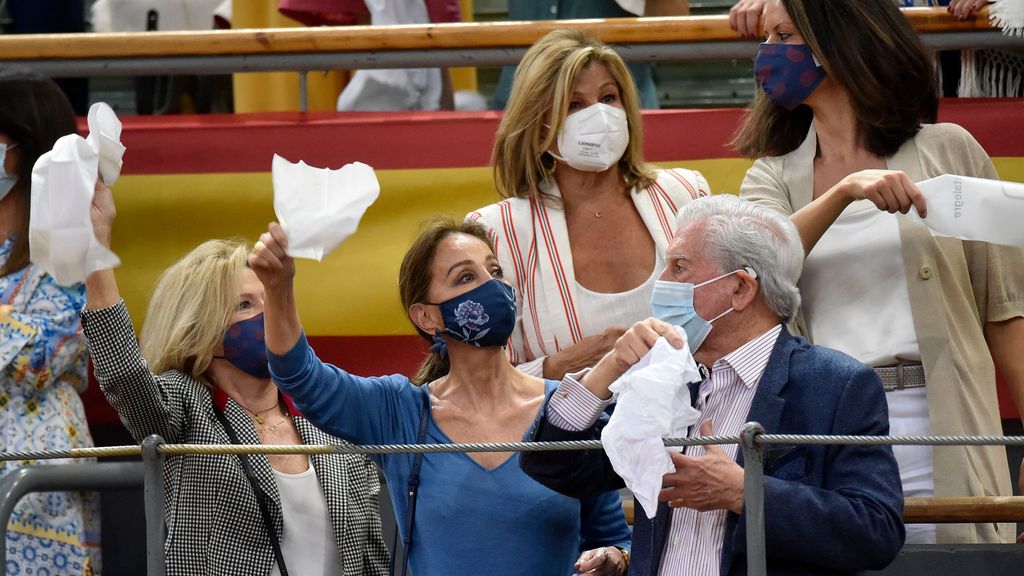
pixel 187 179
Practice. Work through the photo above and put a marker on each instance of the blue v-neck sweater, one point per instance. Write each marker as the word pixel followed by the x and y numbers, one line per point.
pixel 469 520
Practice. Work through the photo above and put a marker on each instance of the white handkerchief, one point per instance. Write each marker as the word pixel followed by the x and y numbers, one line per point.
pixel 105 138
pixel 319 208
pixel 974 209
pixel 61 238
pixel 653 403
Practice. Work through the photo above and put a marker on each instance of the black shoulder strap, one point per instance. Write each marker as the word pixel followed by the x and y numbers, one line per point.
pixel 414 478
pixel 261 496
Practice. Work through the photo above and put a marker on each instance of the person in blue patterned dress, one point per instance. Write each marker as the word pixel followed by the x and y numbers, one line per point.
pixel 42 349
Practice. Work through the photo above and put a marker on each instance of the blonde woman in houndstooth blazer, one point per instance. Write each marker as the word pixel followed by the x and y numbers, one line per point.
pixel 199 376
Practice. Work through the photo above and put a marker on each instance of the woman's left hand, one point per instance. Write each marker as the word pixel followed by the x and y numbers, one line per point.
pixel 602 561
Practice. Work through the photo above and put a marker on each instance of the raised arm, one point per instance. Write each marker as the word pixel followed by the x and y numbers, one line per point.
pixel 100 287
pixel 146 404
pixel 276 270
pixel 363 410
pixel 39 334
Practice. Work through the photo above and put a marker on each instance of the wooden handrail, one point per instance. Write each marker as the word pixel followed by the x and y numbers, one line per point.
pixel 964 509
pixel 32 47
pixel 941 510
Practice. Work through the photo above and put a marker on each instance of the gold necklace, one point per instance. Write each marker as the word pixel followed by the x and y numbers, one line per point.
pixel 272 428
pixel 258 416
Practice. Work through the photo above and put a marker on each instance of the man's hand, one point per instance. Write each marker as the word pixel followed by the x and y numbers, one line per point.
pixel 628 350
pixel 709 482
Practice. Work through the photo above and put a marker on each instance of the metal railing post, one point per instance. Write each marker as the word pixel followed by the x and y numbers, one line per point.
pixel 753 498
pixel 63 478
pixel 153 464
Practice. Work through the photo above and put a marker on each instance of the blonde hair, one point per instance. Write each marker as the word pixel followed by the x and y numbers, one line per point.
pixel 191 307
pixel 543 81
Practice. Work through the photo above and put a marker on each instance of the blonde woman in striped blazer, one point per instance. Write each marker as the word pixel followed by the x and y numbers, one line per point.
pixel 581 246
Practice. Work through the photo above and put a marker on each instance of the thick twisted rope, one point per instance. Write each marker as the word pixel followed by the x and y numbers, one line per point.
pixel 795 439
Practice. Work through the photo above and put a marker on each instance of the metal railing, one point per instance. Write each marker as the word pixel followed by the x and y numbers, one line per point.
pixel 410 46
pixel 77 477
pixel 752 440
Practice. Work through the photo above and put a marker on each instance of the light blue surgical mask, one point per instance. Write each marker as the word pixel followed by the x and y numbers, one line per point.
pixel 7 181
pixel 672 302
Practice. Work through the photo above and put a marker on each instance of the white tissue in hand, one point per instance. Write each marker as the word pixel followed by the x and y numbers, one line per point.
pixel 61 238
pixel 974 209
pixel 319 208
pixel 105 138
pixel 653 403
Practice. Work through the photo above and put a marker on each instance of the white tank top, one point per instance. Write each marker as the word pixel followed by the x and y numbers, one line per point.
pixel 307 543
pixel 599 310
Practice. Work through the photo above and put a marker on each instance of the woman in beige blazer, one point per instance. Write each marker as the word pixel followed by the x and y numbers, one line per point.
pixel 842 131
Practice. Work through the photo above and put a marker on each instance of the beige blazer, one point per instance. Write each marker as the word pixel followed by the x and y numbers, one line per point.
pixel 955 288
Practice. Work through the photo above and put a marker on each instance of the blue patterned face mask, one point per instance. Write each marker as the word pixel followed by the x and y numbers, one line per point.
pixel 788 73
pixel 672 302
pixel 7 181
pixel 484 316
pixel 245 347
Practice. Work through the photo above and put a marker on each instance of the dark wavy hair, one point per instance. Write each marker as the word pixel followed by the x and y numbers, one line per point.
pixel 414 279
pixel 870 50
pixel 34 112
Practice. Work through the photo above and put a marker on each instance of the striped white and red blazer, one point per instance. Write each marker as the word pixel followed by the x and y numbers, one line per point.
pixel 531 242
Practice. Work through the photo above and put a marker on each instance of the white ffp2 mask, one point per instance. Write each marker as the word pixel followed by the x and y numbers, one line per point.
pixel 593 139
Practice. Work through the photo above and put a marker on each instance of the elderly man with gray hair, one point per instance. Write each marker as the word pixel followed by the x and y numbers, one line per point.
pixel 828 509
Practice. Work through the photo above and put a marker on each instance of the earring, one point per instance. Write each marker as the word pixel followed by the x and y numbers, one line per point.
pixel 439 347
pixel 549 171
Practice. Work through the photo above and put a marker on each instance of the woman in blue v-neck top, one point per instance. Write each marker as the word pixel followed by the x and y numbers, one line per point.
pixel 474 513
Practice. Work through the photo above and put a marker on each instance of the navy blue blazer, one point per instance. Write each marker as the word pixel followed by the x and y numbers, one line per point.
pixel 828 509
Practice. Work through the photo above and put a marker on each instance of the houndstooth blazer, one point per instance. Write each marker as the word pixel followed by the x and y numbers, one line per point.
pixel 214 526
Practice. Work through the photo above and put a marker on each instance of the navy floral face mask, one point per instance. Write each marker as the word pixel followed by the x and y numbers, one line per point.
pixel 484 316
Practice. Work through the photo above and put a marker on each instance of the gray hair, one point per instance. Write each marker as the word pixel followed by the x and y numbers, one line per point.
pixel 740 233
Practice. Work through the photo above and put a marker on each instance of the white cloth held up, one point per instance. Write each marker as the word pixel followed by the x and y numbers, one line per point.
pixel 61 238
pixel 653 402
pixel 974 209
pixel 320 208
pixel 105 138
pixel 1008 16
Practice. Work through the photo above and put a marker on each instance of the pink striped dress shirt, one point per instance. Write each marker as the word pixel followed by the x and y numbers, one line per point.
pixel 694 543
